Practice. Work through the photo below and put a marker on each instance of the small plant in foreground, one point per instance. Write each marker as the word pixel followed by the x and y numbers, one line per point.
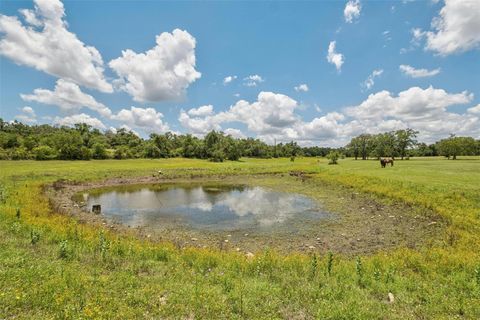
pixel 329 262
pixel 104 245
pixel 359 269
pixel 34 237
pixel 64 250
pixel 477 275
pixel 313 266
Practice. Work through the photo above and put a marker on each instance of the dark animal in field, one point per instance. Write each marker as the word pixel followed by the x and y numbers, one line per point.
pixel 385 161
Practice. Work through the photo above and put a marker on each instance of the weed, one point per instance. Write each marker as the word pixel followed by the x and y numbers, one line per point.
pixel 359 270
pixel 34 236
pixel 64 251
pixel 329 262
pixel 313 266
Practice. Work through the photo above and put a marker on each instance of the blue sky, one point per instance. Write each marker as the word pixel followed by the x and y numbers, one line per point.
pixel 391 65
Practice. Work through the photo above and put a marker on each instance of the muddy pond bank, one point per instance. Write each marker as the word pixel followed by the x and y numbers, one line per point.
pixel 354 223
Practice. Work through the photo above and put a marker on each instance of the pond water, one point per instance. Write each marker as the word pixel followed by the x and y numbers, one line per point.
pixel 209 207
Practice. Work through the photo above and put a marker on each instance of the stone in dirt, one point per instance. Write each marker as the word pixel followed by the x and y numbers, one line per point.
pixel 249 255
pixel 391 298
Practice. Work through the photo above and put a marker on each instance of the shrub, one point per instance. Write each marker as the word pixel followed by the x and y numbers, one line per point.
pixel 152 151
pixel 85 153
pixel 99 151
pixel 217 156
pixel 333 156
pixel 64 251
pixel 34 237
pixel 44 153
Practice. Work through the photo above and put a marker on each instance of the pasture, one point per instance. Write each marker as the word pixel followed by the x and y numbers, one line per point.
pixel 55 265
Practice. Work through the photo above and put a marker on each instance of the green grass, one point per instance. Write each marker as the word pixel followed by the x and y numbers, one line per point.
pixel 51 266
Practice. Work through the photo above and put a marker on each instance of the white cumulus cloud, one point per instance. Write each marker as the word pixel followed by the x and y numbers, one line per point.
pixel 455 29
pixel 301 87
pixel 70 121
pixel 229 79
pixel 201 111
pixel 418 73
pixel 352 10
pixel 163 72
pixel 475 109
pixel 45 44
pixel 253 80
pixel 146 119
pixel 334 57
pixel 276 117
pixel 28 115
pixel 370 81
pixel 68 97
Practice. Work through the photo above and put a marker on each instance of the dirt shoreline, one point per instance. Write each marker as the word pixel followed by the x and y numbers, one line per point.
pixel 365 224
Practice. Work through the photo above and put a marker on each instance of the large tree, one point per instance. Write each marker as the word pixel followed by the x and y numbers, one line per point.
pixel 405 139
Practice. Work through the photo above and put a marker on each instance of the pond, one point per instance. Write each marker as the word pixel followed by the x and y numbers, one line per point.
pixel 205 207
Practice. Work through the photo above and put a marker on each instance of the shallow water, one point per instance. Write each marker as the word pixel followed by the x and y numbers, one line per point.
pixel 210 207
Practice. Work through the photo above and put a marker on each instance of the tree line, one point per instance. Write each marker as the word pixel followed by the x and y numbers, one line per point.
pixel 403 144
pixel 19 141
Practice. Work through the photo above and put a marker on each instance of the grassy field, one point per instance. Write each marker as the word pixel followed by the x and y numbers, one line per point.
pixel 52 266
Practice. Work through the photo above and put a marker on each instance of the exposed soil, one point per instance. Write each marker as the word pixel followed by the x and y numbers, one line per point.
pixel 361 223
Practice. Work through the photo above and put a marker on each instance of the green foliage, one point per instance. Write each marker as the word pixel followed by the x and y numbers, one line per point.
pixel 454 146
pixel 333 156
pixel 64 251
pixel 82 142
pixel 152 151
pixel 99 151
pixel 44 153
pixel 217 155
pixel 34 236
pixel 359 269
pixel 313 266
pixel 329 262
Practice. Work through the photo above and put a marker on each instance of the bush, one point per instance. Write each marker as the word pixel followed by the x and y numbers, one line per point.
pixel 85 153
pixel 44 153
pixel 152 151
pixel 217 156
pixel 20 153
pixel 333 156
pixel 4 154
pixel 99 151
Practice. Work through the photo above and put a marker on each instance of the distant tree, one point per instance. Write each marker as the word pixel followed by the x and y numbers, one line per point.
pixel 455 146
pixel 366 144
pixel 405 139
pixel 355 147
pixel 232 149
pixel 384 145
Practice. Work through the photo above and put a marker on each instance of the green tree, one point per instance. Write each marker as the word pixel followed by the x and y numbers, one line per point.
pixel 455 146
pixel 44 153
pixel 405 139
pixel 99 151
